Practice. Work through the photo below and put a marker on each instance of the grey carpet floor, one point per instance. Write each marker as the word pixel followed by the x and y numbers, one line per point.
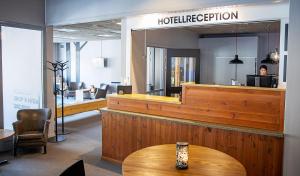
pixel 84 142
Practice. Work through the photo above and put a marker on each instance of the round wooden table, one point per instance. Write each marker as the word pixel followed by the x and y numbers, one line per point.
pixel 5 134
pixel 161 160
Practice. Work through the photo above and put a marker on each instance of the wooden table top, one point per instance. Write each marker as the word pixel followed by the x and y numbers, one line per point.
pixel 160 160
pixel 4 134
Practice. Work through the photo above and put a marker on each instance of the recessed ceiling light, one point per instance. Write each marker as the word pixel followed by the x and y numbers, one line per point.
pixel 116 31
pixel 119 23
pixel 104 35
pixel 73 38
pixel 66 30
pixel 65 37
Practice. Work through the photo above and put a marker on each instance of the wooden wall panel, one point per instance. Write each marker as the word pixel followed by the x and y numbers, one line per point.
pixel 247 107
pixel 252 120
pixel 123 134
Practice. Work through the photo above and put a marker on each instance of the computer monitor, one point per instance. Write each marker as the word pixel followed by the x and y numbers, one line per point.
pixel 250 80
pixel 253 80
pixel 265 81
pixel 124 89
pixel 262 81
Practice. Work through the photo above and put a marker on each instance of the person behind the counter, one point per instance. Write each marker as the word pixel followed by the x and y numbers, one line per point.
pixel 263 70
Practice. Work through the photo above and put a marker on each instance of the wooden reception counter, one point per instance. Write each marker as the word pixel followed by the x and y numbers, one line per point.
pixel 244 122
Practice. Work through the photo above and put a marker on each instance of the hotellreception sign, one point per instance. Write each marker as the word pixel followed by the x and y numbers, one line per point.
pixel 199 17
pixel 217 15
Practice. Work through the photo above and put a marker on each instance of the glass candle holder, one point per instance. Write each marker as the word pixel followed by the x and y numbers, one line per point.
pixel 182 155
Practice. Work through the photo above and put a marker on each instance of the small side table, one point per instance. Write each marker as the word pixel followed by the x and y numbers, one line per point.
pixel 4 134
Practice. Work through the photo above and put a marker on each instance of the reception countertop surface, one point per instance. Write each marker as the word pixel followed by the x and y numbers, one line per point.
pixel 153 98
pixel 234 87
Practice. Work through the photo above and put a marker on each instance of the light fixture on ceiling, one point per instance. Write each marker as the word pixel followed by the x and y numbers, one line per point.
pixel 268 59
pixel 116 31
pixel 119 23
pixel 104 35
pixel 236 59
pixel 66 37
pixel 65 30
pixel 100 62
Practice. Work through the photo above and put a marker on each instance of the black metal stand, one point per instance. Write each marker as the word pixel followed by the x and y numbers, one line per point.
pixel 58 138
pixel 62 67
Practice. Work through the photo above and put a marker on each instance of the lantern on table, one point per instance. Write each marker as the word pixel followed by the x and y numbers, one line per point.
pixel 182 155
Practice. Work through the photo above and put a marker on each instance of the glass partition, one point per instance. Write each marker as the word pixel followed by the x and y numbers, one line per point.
pixel 22 71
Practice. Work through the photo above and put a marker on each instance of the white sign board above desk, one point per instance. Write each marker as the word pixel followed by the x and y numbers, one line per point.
pixel 218 15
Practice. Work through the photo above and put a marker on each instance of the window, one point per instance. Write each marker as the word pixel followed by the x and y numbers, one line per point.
pixel 21 71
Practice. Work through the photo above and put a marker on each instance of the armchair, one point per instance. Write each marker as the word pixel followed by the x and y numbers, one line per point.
pixel 100 93
pixel 104 86
pixel 73 86
pixel 31 129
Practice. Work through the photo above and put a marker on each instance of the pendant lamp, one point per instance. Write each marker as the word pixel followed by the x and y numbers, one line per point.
pixel 236 59
pixel 268 59
pixel 100 62
pixel 275 56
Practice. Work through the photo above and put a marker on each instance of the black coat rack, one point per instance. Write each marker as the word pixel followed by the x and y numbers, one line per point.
pixel 62 66
pixel 58 66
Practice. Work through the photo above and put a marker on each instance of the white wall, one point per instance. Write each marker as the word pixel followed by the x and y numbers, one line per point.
pixel 70 11
pixel 215 70
pixel 292 110
pixel 90 73
pixel 274 42
pixel 215 54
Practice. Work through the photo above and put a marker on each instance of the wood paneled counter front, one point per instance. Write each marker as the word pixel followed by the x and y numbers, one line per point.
pixel 244 122
pixel 261 108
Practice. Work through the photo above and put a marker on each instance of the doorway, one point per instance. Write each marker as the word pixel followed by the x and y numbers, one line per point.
pixel 156 61
pixel 183 66
pixel 168 69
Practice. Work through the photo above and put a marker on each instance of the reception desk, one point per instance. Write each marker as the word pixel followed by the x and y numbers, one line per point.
pixel 244 122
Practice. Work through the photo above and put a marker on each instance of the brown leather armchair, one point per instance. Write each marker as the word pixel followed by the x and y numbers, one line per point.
pixel 31 129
